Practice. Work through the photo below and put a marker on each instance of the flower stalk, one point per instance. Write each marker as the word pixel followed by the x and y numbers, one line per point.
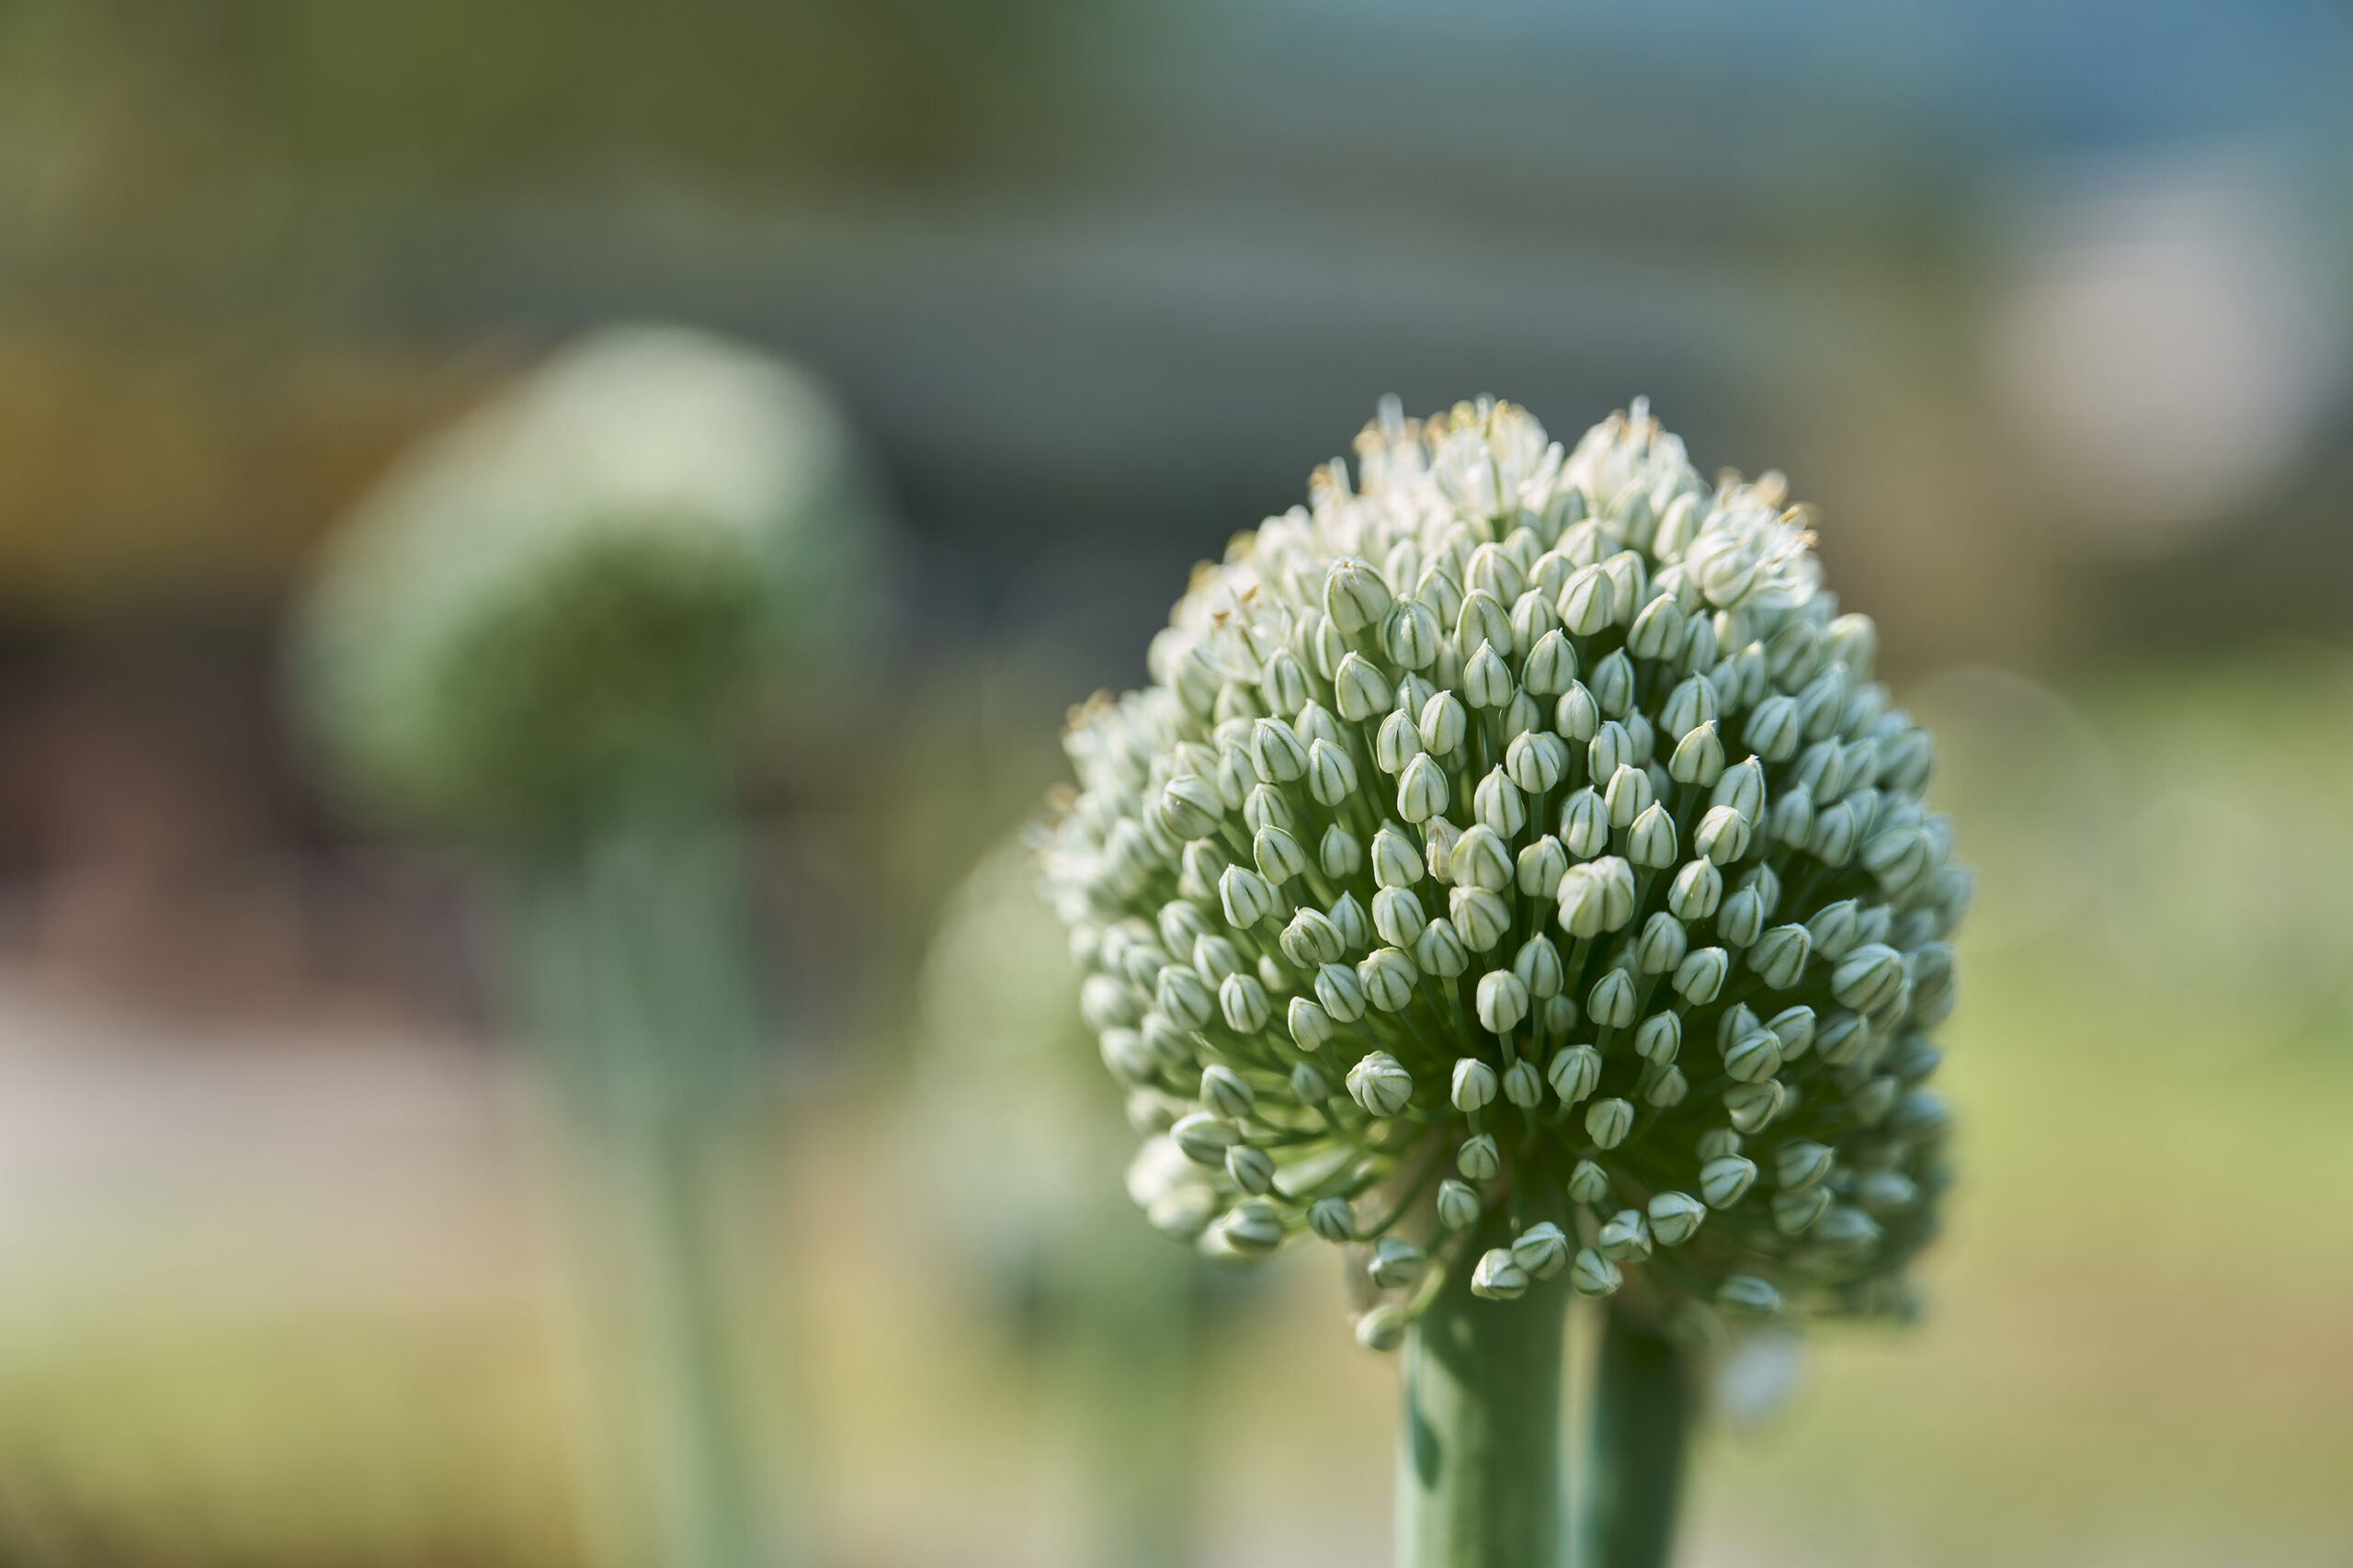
pixel 1644 1399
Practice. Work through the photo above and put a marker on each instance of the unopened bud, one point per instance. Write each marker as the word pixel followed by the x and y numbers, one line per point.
pixel 1223 1091
pixel 1607 1121
pixel 1478 1159
pixel 1594 1275
pixel 1474 1085
pixel 1575 1070
pixel 1395 1263
pixel 1674 1217
pixel 1588 1184
pixel 1381 1084
pixel 1541 1251
pixel 1498 1278
pixel 1253 1170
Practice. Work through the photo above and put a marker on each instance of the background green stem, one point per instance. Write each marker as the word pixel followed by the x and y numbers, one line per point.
pixel 634 980
pixel 1644 1399
pixel 1479 1483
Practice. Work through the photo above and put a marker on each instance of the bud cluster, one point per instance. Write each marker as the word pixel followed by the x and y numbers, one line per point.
pixel 1520 833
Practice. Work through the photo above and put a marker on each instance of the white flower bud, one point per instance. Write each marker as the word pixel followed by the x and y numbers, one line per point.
pixel 1607 1121
pixel 1613 685
pixel 1253 1226
pixel 1480 918
pixel 1458 1204
pixel 1540 1251
pixel 1698 757
pixel 1800 1162
pixel 1438 951
pixel 1379 1084
pixel 1661 945
pixel 1701 975
pixel 1551 666
pixel 1779 955
pixel 1611 1004
pixel 1482 618
pixel 1497 805
pixel 1535 761
pixel 1275 754
pixel 1185 997
pixel 1498 1278
pixel 1331 776
pixel 1538 965
pixel 1410 634
pixel 1354 595
pixel 1348 921
pixel 1576 716
pixel 1585 824
pixel 1308 1086
pixel 1625 1234
pixel 1283 683
pixel 1243 1002
pixel 1311 939
pixel 1438 847
pixel 1674 1217
pixel 1834 830
pixel 1478 1159
pixel 1246 895
pixel 1388 977
pixel 1397 915
pixel 1698 888
pixel 1588 1184
pixel 1501 1000
pixel 1359 688
pixel 1481 860
pixel 1753 1056
pixel 1522 1087
pixel 1340 992
pixel 1223 1091
pixel 1594 1275
pixel 1421 789
pixel 1339 855
pixel 1575 1070
pixel 1381 1329
pixel 1746 1295
pixel 1190 807
pixel 1541 868
pixel 1442 724
pixel 1332 1219
pixel 1310 1025
pixel 1795 1213
pixel 1718 1141
pixel 1868 977
pixel 1725 1180
pixel 1629 795
pixel 1253 1169
pixel 1395 1263
pixel 1790 817
pixel 1396 863
pixel 1205 1138
pixel 1610 749
pixel 1722 836
pixel 1587 602
pixel 1277 854
pixel 1397 744
pixel 1486 679
pixel 1474 1085
pixel 1750 1106
pixel 1650 842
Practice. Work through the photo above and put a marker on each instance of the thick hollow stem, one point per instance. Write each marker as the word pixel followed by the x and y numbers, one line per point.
pixel 630 984
pixel 1642 1405
pixel 1479 1483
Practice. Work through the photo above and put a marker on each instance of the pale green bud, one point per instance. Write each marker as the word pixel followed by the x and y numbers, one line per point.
pixel 1779 955
pixel 1310 1025
pixel 1381 1329
pixel 1754 1057
pixel 1795 1028
pixel 1107 1001
pixel 1202 864
pixel 1616 879
pixel 1253 1169
pixel 1246 895
pixel 1846 1230
pixel 1920 1118
pixel 1397 915
pixel 1410 634
pixel 1276 752
pixel 1585 824
pixel 1613 685
pixel 1833 839
pixel 1493 569
pixel 1481 859
pixel 1800 1162
pixel 1181 924
pixel 1611 1004
pixel 1551 666
pixel 1274 976
pixel 1533 618
pixel 1722 836
pixel 1204 1138
pixel 1698 757
pixel 1660 1038
pixel 1396 863
pixel 1836 929
pixel 1745 1295
pixel 1868 977
pixel 1538 965
pixel 1332 1219
pixel 1458 1204
pixel 1480 918
pixel 1662 945
pixel 1497 1277
pixel 1421 789
pixel 1607 1121
pixel 1610 749
pixel 1587 603
pixel 1588 1184
pixel 1354 595
pixel 1522 1087
pixel 1331 776
pixel 1795 1213
pixel 1283 683
pixel 1701 975
pixel 1478 1159
pixel 1395 1263
pixel 1874 1099
pixel 1556 1015
pixel 1397 742
pixel 1625 1234
pixel 1541 1251
pixel 1253 1226
pixel 1379 1084
pixel 1576 716
pixel 1359 688
pixel 1438 589
pixel 1169 1045
pixel 1541 868
pixel 1574 1071
pixel 1387 976
pixel 1843 1037
pixel 1658 630
pixel 1886 1192
pixel 1692 704
pixel 1474 1085
pixel 1340 992
pixel 1185 997
pixel 1244 1002
pixel 1497 805
pixel 1483 619
pixel 1718 1141
pixel 1775 729
pixel 1790 817
pixel 1665 1086
pixel 1308 1086
pixel 1486 679
pixel 1339 854
pixel 1502 1001
pixel 1535 761
pixel 1311 939
pixel 1190 807
pixel 1751 1106
pixel 1277 854
pixel 1742 919
pixel 1223 1091
pixel 1594 1275
pixel 1438 847
pixel 1442 723
pixel 1438 951
pixel 1675 1217
pixel 1650 841
pixel 1698 888
pixel 1725 1180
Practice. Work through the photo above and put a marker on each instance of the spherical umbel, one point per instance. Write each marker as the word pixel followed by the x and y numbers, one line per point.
pixel 1518 832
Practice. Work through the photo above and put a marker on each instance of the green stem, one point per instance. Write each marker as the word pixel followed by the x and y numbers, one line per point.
pixel 1479 1473
pixel 633 982
pixel 1643 1400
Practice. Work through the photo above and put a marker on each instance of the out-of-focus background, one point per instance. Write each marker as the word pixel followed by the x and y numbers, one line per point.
pixel 2049 307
